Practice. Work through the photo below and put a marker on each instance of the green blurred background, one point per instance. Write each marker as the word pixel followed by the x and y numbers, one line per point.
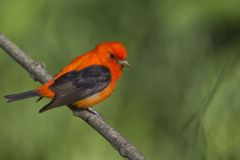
pixel 179 100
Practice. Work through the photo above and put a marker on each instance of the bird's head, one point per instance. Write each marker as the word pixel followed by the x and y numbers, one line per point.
pixel 113 53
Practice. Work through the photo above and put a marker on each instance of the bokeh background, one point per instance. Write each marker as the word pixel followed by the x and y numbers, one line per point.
pixel 179 100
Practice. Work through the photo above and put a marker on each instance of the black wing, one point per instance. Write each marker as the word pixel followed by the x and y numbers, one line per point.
pixel 76 85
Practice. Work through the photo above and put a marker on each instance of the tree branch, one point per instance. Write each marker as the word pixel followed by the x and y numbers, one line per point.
pixel 38 72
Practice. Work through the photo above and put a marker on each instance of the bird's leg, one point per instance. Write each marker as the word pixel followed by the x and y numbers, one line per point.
pixel 39 99
pixel 74 109
pixel 94 112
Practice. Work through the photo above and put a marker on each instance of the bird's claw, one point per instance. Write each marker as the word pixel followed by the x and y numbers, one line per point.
pixel 95 112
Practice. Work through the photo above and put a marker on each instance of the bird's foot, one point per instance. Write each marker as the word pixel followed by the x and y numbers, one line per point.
pixel 95 112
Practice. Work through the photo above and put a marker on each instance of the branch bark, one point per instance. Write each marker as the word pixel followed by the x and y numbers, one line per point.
pixel 39 73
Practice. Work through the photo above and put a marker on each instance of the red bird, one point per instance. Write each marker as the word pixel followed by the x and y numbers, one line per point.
pixel 87 80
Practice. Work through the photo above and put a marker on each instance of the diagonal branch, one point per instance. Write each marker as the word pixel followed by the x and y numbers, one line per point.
pixel 38 72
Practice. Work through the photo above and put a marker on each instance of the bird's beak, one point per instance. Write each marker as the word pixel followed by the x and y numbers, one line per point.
pixel 124 63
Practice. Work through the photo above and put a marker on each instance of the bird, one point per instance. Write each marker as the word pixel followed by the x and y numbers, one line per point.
pixel 88 80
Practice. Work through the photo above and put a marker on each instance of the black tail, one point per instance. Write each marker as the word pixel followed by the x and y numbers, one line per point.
pixel 19 96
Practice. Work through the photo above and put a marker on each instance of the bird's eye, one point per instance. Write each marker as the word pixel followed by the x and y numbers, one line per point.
pixel 112 56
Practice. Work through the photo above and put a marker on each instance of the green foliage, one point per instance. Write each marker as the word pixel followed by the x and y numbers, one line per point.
pixel 178 100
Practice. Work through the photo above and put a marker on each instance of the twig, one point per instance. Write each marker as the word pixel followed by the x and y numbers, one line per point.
pixel 39 73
